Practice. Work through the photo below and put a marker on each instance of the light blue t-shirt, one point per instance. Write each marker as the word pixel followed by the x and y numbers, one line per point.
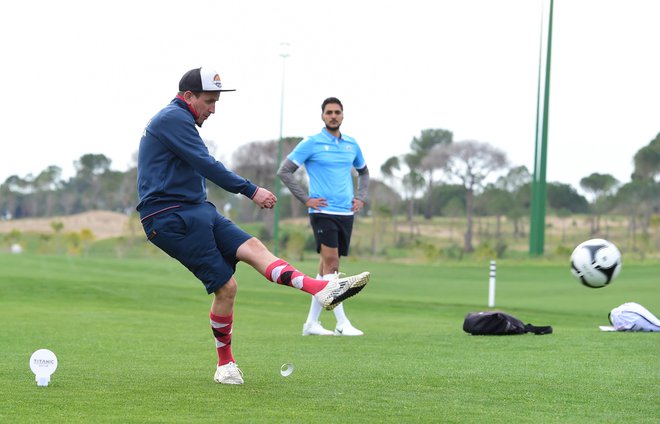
pixel 328 161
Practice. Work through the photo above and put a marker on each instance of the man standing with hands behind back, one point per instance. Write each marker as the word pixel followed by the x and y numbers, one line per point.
pixel 329 158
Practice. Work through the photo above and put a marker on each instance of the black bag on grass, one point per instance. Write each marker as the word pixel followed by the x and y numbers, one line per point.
pixel 499 324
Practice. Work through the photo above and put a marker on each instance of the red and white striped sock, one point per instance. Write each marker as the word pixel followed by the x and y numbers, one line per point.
pixel 281 272
pixel 222 328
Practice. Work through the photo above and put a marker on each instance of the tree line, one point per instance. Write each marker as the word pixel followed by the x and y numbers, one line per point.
pixel 436 177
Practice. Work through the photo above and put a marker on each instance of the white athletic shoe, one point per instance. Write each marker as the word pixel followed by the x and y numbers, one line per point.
pixel 340 289
pixel 348 330
pixel 315 328
pixel 228 374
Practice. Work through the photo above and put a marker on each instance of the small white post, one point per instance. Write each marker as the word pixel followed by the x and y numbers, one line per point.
pixel 491 285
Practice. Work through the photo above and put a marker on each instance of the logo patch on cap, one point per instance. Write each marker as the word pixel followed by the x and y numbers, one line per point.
pixel 216 81
pixel 202 79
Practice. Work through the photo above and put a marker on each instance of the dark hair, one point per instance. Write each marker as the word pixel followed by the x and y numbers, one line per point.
pixel 331 100
pixel 195 93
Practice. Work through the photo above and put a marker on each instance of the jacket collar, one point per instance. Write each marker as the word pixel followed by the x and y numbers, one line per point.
pixel 179 100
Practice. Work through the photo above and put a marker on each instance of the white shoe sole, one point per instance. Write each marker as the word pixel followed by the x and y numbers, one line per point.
pixel 341 333
pixel 318 331
pixel 341 289
pixel 329 333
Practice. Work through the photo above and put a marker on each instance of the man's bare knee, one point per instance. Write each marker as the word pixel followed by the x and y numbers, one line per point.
pixel 227 291
pixel 329 259
pixel 254 253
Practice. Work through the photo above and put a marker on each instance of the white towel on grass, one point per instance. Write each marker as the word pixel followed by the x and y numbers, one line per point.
pixel 632 316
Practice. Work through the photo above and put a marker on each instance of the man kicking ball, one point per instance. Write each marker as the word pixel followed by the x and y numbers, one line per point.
pixel 173 166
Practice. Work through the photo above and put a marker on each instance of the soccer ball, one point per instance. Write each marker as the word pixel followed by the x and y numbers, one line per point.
pixel 596 263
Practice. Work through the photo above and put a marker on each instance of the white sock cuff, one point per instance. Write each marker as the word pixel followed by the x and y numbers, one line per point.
pixel 340 315
pixel 329 277
pixel 314 310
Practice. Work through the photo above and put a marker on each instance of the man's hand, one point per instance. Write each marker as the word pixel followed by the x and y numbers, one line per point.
pixel 264 198
pixel 316 203
pixel 357 205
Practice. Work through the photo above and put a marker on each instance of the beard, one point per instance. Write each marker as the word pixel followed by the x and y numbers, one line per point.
pixel 333 127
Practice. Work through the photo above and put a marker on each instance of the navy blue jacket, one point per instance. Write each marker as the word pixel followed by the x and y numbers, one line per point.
pixel 174 163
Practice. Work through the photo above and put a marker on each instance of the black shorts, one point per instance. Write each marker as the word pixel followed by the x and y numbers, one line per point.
pixel 201 239
pixel 332 231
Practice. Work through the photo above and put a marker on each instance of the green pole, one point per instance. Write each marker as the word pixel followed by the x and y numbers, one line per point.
pixel 284 53
pixel 537 230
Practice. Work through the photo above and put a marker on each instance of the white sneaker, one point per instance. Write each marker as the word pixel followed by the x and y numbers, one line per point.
pixel 315 328
pixel 348 330
pixel 228 374
pixel 340 289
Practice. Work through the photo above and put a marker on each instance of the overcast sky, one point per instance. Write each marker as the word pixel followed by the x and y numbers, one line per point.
pixel 85 77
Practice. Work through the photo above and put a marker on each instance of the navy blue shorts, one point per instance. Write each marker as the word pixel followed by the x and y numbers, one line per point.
pixel 332 231
pixel 201 239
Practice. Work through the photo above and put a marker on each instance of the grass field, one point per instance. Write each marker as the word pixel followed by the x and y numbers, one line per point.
pixel 134 346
